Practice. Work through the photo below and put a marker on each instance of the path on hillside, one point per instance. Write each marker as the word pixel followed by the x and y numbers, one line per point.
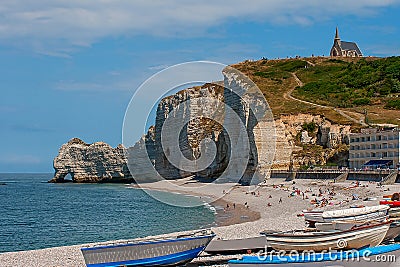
pixel 288 95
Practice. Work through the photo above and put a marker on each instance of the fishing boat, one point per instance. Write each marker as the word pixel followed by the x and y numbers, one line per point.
pixel 337 225
pixel 394 212
pixel 343 225
pixel 300 240
pixel 367 257
pixel 393 232
pixel 168 251
pixel 379 212
pixel 313 216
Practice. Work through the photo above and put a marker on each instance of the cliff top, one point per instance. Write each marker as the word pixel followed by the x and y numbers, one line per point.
pixel 344 90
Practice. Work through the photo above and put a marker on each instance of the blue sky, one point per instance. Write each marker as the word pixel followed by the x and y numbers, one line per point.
pixel 69 68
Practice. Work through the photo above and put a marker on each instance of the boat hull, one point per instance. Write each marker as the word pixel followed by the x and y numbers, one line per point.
pixel 393 232
pixel 391 203
pixel 354 214
pixel 350 239
pixel 167 260
pixel 167 252
pixel 370 257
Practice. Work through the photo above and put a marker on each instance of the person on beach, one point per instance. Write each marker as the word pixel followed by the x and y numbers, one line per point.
pixel 234 206
pixel 280 200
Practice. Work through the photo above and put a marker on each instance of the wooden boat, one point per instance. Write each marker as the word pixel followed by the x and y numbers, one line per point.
pixel 342 225
pixel 394 212
pixel 354 214
pixel 393 232
pixel 370 235
pixel 219 246
pixel 368 257
pixel 170 251
pixel 313 216
pixel 337 225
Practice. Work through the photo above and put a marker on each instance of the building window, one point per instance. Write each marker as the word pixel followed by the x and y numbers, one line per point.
pixel 368 138
pixel 384 154
pixel 379 137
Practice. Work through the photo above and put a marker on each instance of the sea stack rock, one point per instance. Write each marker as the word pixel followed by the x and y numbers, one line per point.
pixel 91 163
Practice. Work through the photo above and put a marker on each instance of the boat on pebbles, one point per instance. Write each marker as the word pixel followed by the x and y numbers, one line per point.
pixel 168 251
pixel 379 212
pixel 301 240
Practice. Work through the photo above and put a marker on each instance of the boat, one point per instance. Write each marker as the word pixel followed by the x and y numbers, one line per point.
pixel 367 257
pixel 394 212
pixel 300 240
pixel 390 203
pixel 313 216
pixel 168 251
pixel 337 225
pixel 230 246
pixel 393 232
pixel 379 212
pixel 343 225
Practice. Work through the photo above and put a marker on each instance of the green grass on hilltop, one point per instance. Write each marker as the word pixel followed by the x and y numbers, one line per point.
pixel 349 84
pixel 356 86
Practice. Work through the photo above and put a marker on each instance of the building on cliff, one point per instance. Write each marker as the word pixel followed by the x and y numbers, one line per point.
pixel 343 48
pixel 373 148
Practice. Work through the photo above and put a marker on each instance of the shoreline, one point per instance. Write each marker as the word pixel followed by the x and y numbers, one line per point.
pixel 273 206
pixel 226 212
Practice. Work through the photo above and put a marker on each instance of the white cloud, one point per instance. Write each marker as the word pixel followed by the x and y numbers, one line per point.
pixel 80 23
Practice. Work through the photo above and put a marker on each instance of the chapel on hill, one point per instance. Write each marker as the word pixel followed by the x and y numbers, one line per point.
pixel 343 48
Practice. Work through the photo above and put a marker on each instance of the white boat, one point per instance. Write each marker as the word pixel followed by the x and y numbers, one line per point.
pixel 342 225
pixel 379 212
pixel 370 235
pixel 393 232
pixel 313 216
pixel 336 225
pixel 394 212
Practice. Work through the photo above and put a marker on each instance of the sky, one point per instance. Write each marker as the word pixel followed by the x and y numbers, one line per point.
pixel 69 68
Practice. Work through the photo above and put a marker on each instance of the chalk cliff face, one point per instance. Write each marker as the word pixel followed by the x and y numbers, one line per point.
pixel 148 159
pixel 90 163
pixel 323 142
pixel 291 140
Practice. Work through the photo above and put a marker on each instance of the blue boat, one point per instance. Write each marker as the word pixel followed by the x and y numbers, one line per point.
pixel 379 256
pixel 169 251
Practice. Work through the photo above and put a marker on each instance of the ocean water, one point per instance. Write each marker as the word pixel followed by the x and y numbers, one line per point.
pixel 35 214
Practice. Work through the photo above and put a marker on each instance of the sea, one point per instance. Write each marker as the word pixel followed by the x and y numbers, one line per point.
pixel 35 214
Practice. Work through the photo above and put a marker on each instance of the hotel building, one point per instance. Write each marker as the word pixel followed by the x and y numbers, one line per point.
pixel 373 148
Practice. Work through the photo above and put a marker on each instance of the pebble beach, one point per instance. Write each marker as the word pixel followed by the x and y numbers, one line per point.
pixel 244 211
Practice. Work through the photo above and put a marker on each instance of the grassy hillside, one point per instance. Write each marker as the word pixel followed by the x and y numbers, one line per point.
pixel 347 87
